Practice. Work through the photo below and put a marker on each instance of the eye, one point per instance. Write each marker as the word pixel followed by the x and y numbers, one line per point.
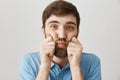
pixel 53 26
pixel 69 28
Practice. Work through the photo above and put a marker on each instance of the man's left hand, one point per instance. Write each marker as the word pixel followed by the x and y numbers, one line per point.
pixel 74 50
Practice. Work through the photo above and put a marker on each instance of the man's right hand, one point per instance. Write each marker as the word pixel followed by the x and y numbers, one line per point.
pixel 47 48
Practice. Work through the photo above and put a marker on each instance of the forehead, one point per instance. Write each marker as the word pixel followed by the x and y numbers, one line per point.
pixel 61 19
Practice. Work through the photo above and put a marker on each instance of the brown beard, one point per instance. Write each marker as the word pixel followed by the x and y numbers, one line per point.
pixel 60 52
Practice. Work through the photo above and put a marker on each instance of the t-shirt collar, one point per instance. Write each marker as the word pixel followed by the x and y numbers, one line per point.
pixel 54 64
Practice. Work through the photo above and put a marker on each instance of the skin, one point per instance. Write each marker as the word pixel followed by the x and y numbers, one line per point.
pixel 61 32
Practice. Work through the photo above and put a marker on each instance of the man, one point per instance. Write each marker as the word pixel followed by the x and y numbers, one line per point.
pixel 61 56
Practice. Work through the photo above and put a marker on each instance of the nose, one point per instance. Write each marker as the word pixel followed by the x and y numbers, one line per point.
pixel 61 33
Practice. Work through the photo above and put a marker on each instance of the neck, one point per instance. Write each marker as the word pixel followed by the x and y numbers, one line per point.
pixel 60 61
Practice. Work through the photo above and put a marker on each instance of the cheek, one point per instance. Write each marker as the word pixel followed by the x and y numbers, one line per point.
pixel 52 33
pixel 70 36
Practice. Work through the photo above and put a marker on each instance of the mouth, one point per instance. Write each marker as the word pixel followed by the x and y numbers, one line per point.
pixel 61 44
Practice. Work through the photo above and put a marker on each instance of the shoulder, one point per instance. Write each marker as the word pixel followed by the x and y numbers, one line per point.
pixel 32 58
pixel 91 67
pixel 89 57
pixel 89 60
pixel 32 55
pixel 29 66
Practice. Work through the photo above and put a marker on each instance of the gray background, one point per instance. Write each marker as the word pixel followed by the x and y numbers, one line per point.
pixel 20 23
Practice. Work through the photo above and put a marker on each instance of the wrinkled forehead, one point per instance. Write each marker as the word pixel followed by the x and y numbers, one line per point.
pixel 66 19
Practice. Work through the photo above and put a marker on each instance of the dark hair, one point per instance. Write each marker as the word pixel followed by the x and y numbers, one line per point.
pixel 60 8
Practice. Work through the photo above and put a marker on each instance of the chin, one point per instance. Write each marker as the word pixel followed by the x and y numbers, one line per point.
pixel 60 52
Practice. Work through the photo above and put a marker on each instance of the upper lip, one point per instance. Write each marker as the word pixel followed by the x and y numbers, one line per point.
pixel 61 43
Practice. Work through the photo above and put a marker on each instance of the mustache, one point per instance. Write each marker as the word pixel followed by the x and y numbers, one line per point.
pixel 61 40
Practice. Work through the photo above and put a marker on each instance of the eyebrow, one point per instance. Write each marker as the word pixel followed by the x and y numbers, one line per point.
pixel 53 22
pixel 69 22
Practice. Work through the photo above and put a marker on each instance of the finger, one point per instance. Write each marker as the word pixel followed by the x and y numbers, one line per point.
pixel 75 40
pixel 49 48
pixel 71 44
pixel 49 38
pixel 51 53
pixel 53 34
pixel 50 44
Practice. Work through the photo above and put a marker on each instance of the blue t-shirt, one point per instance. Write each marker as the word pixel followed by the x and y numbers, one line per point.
pixel 90 66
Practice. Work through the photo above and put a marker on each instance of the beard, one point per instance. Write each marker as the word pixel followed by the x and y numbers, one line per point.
pixel 60 52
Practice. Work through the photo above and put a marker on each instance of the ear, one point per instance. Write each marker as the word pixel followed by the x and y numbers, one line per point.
pixel 78 31
pixel 43 31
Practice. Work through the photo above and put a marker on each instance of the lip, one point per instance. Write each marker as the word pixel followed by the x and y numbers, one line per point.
pixel 61 45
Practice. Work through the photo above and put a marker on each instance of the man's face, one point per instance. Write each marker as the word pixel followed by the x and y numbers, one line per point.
pixel 62 29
